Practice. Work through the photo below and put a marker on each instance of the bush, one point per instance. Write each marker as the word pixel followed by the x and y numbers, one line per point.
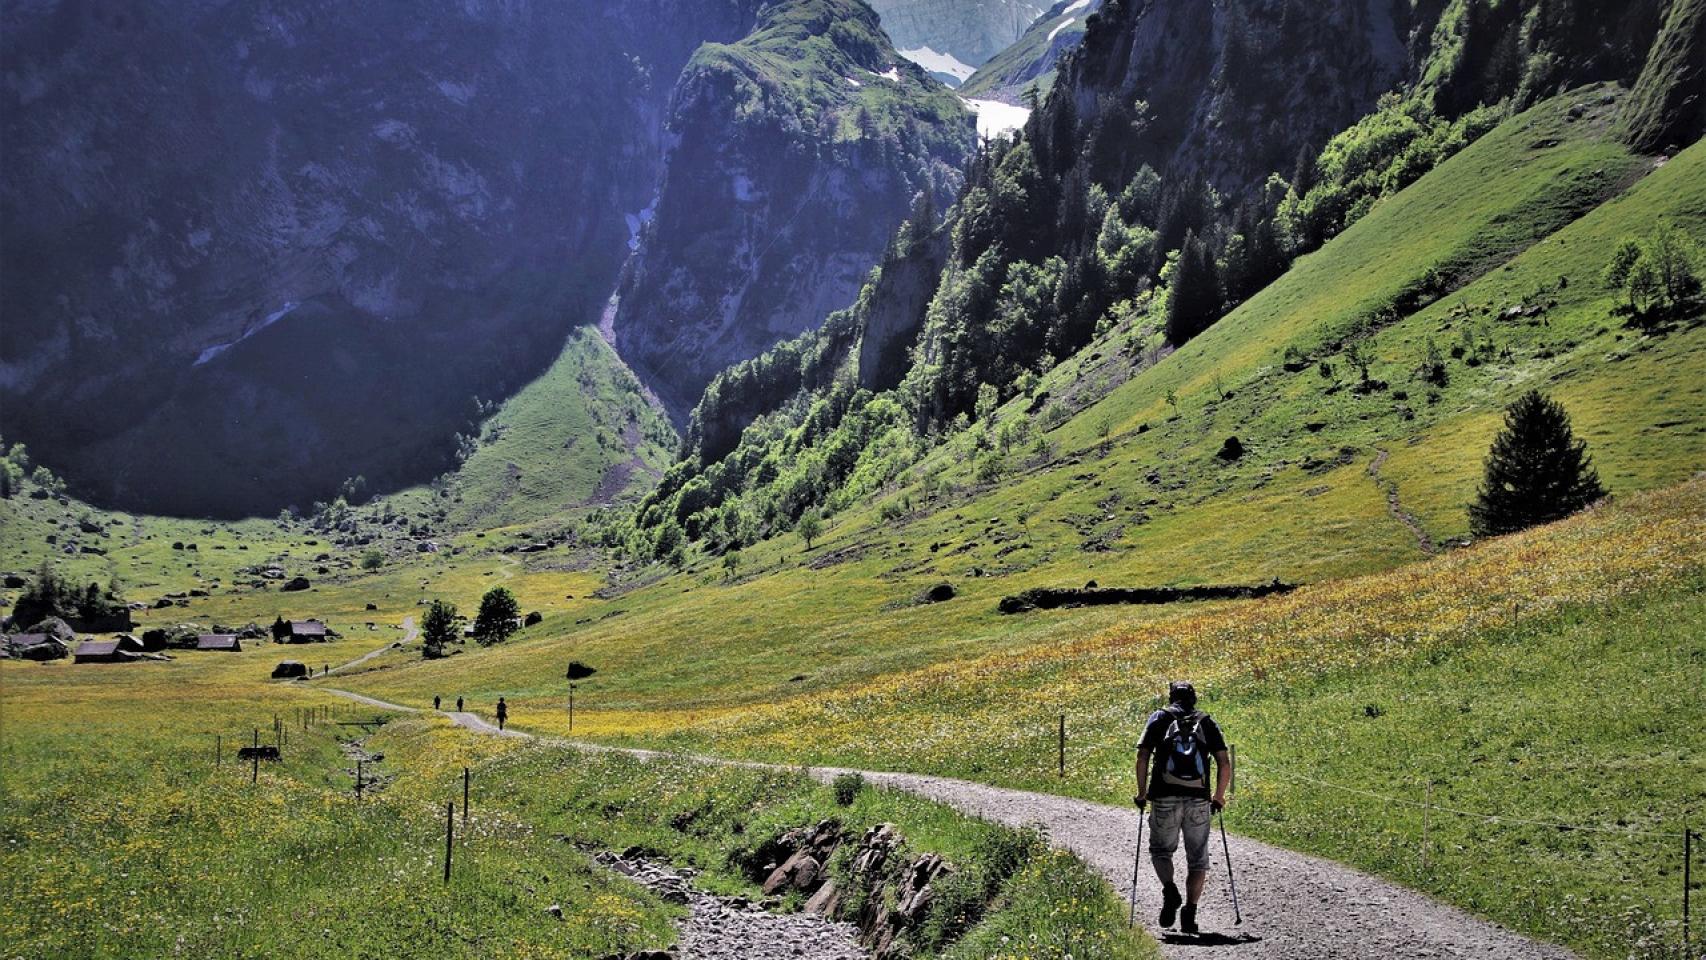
pixel 847 787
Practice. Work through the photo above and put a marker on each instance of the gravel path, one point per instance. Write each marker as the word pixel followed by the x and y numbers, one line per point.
pixel 1296 907
pixel 409 634
pixel 734 928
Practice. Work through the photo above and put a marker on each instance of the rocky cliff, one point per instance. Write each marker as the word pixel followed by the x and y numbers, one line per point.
pixel 795 154
pixel 253 249
pixel 970 31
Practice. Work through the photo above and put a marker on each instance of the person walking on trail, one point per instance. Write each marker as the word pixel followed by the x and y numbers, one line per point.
pixel 435 701
pixel 503 712
pixel 1173 771
pixel 458 704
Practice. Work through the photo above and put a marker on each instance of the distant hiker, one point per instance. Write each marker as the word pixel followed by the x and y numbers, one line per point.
pixel 1173 770
pixel 458 704
pixel 435 701
pixel 503 712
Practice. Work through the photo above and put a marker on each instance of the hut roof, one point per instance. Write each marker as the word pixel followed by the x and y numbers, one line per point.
pixel 218 641
pixel 308 627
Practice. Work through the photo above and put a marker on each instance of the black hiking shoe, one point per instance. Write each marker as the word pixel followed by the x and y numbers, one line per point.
pixel 1188 919
pixel 1170 901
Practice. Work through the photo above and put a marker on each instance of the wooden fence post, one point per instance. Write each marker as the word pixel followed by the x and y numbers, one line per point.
pixel 1688 836
pixel 218 750
pixel 464 796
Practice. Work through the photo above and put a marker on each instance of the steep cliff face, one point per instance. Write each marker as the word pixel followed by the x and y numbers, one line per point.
pixel 796 152
pixel 1032 59
pixel 1229 91
pixel 969 31
pixel 253 249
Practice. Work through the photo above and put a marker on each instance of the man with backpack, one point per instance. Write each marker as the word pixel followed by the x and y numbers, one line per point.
pixel 1180 745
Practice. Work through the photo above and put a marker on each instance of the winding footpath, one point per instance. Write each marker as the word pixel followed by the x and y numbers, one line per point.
pixel 1295 907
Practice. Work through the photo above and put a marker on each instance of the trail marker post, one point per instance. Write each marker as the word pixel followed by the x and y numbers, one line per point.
pixel 218 750
pixel 464 796
pixel 571 708
pixel 358 766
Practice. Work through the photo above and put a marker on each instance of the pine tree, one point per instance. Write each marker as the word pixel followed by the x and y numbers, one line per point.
pixel 1537 470
pixel 1193 303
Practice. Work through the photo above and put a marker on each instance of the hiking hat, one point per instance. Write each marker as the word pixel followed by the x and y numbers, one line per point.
pixel 1181 692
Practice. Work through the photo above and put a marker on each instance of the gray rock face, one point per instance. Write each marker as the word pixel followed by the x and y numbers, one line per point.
pixel 253 249
pixel 971 31
pixel 781 191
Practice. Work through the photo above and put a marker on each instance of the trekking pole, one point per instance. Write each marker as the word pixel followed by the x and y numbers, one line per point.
pixel 1237 915
pixel 1136 865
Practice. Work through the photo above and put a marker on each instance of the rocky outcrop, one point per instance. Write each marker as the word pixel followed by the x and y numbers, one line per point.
pixel 970 31
pixel 884 890
pixel 796 153
pixel 1052 598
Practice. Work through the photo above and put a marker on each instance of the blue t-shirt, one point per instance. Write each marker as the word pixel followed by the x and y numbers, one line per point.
pixel 1155 731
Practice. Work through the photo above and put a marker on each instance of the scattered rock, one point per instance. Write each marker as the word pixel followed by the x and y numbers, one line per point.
pixel 295 583
pixel 1232 449
pixel 939 593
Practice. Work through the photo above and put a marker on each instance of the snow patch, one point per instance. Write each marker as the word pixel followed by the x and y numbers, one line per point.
pixel 995 118
pixel 1075 6
pixel 892 73
pixel 944 63
pixel 1069 21
pixel 852 82
pixel 459 93
pixel 268 321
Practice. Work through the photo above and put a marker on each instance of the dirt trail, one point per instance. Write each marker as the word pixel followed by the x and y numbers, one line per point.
pixel 410 632
pixel 1296 907
pixel 1396 508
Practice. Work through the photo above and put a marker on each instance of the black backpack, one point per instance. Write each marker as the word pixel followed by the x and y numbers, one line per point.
pixel 1184 750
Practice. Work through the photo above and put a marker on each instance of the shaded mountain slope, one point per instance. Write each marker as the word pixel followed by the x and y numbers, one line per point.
pixel 253 250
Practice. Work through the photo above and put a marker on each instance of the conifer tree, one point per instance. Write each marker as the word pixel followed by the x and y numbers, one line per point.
pixel 438 628
pixel 1194 300
pixel 497 617
pixel 1536 472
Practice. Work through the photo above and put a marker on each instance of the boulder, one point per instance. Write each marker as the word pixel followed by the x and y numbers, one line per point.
pixel 939 593
pixel 290 670
pixel 14 580
pixel 295 583
pixel 1232 449
pixel 53 627
pixel 800 872
pixel 39 647
pixel 533 617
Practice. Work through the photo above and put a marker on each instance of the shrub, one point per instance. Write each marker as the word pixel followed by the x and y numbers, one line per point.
pixel 847 787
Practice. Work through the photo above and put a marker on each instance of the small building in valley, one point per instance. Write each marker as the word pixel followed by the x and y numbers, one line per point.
pixel 305 631
pixel 223 642
pixel 108 651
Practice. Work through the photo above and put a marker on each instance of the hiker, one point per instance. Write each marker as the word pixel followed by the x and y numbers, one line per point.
pixel 503 712
pixel 458 704
pixel 1173 770
pixel 435 701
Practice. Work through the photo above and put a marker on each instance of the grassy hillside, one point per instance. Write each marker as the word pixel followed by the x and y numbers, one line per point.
pixel 582 434
pixel 1128 490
